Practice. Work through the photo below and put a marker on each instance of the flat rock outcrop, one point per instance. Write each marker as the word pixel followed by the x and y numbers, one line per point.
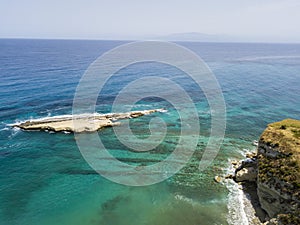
pixel 81 123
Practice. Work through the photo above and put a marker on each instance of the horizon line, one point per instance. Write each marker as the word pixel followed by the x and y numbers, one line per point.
pixel 136 40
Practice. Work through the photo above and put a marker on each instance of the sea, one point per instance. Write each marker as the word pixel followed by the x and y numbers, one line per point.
pixel 45 180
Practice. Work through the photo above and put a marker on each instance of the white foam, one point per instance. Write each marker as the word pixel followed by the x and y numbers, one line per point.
pixel 240 209
pixel 236 207
pixel 186 199
pixel 162 110
pixel 14 132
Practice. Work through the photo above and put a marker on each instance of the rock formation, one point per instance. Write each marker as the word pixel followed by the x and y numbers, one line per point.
pixel 278 180
pixel 81 123
pixel 276 171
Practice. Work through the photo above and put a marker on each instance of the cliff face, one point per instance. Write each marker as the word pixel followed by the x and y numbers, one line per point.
pixel 278 179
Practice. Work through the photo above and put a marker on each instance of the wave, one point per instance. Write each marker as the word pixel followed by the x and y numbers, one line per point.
pixel 236 206
pixel 66 132
pixel 5 128
pixel 261 58
pixel 14 132
pixel 240 209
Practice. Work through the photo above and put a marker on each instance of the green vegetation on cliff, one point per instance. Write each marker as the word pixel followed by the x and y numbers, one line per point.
pixel 284 139
pixel 284 134
pixel 279 170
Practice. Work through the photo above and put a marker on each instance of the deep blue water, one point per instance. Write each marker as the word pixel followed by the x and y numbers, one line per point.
pixel 45 180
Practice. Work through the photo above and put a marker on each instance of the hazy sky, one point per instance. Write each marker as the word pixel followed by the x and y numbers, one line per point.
pixel 249 20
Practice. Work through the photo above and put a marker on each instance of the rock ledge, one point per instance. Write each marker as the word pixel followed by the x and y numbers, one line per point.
pixel 81 123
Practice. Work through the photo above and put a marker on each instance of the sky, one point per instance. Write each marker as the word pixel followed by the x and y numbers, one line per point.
pixel 243 20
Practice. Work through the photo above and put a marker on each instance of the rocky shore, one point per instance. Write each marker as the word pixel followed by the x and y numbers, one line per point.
pixel 81 123
pixel 271 175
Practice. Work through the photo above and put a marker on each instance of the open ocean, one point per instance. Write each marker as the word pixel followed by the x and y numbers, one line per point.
pixel 45 180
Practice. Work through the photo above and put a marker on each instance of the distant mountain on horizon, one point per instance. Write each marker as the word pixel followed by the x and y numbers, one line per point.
pixel 195 36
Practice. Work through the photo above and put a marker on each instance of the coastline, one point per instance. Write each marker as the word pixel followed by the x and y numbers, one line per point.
pixel 269 177
pixel 248 201
pixel 243 202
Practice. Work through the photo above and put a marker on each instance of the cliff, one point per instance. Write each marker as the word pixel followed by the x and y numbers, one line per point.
pixel 271 176
pixel 278 178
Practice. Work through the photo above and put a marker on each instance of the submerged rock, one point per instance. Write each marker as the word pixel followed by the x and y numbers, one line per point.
pixel 234 162
pixel 218 179
pixel 228 176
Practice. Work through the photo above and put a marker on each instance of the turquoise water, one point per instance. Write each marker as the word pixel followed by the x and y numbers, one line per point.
pixel 45 180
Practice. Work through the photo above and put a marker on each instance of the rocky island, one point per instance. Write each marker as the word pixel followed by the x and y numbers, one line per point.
pixel 275 172
pixel 81 123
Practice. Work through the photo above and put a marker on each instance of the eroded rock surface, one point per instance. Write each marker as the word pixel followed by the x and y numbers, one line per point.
pixel 278 181
pixel 274 171
pixel 81 123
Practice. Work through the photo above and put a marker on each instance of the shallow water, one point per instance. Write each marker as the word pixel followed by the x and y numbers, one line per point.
pixel 45 180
